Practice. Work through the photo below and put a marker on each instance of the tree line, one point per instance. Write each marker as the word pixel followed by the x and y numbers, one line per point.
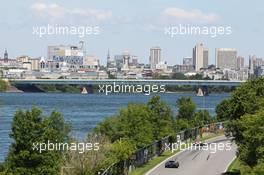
pixel 131 128
pixel 245 112
pixel 3 85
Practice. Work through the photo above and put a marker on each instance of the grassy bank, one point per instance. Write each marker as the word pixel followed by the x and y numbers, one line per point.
pixel 234 167
pixel 3 85
pixel 152 163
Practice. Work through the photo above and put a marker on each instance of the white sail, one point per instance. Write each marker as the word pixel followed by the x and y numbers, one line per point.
pixel 84 91
pixel 200 92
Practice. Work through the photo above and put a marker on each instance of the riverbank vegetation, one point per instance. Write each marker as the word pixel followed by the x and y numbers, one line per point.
pixel 132 128
pixel 245 112
pixel 119 136
pixel 3 85
pixel 29 128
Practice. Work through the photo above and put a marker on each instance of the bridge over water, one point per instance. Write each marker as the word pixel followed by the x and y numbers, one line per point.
pixel 128 82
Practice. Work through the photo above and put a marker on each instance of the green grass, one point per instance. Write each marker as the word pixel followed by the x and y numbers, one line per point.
pixel 152 163
pixel 156 160
pixel 234 166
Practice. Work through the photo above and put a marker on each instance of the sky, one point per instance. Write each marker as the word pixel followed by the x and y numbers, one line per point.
pixel 133 26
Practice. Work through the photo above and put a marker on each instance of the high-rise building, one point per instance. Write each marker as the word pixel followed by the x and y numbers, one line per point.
pixel 240 62
pixel 6 56
pixel 35 63
pixel 126 61
pixel 91 62
pixel 255 64
pixel 226 58
pixel 200 57
pixel 155 57
pixel 188 61
pixel 134 60
pixel 252 64
pixel 71 55
pixel 118 59
pixel 259 62
pixel 108 59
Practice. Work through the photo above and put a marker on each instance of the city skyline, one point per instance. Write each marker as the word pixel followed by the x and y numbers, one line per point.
pixel 129 26
pixel 212 59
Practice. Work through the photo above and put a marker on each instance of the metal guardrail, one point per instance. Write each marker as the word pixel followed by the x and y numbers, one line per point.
pixel 143 155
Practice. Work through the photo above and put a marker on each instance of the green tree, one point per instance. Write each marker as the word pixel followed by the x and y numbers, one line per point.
pixel 182 124
pixel 245 111
pixel 251 148
pixel 121 150
pixel 131 123
pixel 196 77
pixel 135 125
pixel 3 85
pixel 110 76
pixel 247 99
pixel 201 117
pixel 179 76
pixel 161 118
pixel 110 127
pixel 89 161
pixel 28 129
pixel 186 108
pixel 223 110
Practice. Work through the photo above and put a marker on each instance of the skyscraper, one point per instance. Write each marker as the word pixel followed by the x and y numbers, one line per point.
pixel 155 57
pixel 240 62
pixel 200 57
pixel 108 59
pixel 126 61
pixel 6 56
pixel 226 58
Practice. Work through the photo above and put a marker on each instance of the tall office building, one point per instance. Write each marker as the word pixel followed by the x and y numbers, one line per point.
pixel 155 57
pixel 118 59
pixel 6 57
pixel 126 61
pixel 108 59
pixel 252 62
pixel 71 55
pixel 200 57
pixel 226 58
pixel 240 62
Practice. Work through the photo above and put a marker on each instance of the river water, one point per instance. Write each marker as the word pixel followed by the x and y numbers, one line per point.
pixel 83 112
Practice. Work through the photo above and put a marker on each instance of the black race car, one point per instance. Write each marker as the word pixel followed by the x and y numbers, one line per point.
pixel 199 144
pixel 172 164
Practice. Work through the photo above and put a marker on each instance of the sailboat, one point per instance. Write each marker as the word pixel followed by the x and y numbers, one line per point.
pixel 200 93
pixel 84 91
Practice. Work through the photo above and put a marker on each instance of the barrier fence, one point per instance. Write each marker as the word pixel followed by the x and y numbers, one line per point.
pixel 144 155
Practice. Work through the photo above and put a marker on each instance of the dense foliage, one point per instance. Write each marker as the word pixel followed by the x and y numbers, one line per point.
pixel 245 110
pixel 3 86
pixel 119 136
pixel 188 116
pixel 29 128
pixel 139 123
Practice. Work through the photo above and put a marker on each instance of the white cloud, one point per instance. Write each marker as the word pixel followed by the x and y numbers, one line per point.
pixel 55 11
pixel 189 15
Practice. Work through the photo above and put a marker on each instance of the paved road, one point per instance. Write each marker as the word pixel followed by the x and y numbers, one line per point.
pixel 200 162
